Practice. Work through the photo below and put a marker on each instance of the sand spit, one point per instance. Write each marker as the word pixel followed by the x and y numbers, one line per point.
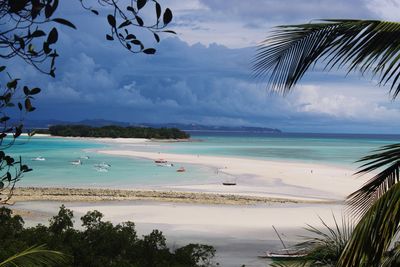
pixel 93 195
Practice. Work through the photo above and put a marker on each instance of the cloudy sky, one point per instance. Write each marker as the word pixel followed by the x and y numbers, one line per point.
pixel 202 75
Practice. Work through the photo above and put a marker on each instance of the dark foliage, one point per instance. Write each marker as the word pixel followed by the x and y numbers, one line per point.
pixel 99 243
pixel 117 131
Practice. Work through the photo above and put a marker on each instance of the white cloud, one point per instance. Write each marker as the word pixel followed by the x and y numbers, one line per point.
pixel 385 9
pixel 346 102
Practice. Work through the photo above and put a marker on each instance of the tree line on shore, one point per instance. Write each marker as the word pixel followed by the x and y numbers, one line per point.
pixel 113 131
pixel 98 243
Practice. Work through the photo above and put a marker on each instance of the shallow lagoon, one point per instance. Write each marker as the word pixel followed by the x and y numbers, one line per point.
pixel 57 170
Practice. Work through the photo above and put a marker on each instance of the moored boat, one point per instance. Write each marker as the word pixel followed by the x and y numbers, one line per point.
pixel 165 164
pixel 284 254
pixel 38 159
pixel 181 169
pixel 76 162
pixel 102 165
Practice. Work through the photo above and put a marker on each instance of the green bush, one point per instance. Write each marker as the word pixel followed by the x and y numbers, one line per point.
pixel 99 243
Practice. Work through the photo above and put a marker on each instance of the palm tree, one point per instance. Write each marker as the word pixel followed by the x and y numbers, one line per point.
pixel 35 256
pixel 323 247
pixel 369 47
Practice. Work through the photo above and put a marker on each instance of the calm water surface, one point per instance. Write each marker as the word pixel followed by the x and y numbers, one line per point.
pixel 57 170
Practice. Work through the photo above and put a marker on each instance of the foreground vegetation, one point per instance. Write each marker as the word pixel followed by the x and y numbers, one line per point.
pixel 369 47
pixel 99 243
pixel 116 132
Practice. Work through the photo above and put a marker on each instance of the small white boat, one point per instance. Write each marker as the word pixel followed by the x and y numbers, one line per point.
pixel 102 165
pixel 165 164
pixel 84 157
pixel 76 162
pixel 38 159
pixel 284 254
pixel 160 161
pixel 99 169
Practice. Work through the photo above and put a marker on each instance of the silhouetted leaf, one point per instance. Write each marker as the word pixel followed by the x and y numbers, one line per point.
pixel 46 48
pixel 129 8
pixel 49 9
pixel 111 20
pixel 95 11
pixel 35 91
pixel 64 22
pixel 158 10
pixel 28 104
pixel 2 68
pixel 16 6
pixel 169 31
pixel 12 84
pixel 157 37
pixel 139 20
pixel 38 33
pixel 130 36
pixel 124 24
pixel 149 51
pixel 167 16
pixel 53 36
pixel 109 37
pixel 136 42
pixel 128 46
pixel 26 90
pixel 140 3
pixel 19 106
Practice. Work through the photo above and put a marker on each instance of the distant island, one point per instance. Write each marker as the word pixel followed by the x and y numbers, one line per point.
pixel 113 131
pixel 190 127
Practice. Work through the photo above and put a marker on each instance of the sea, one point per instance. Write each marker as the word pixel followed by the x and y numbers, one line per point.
pixel 57 168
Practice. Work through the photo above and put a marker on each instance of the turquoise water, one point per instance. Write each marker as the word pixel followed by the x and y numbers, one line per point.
pixel 316 148
pixel 57 170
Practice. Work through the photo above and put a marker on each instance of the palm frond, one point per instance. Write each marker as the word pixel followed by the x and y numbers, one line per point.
pixel 36 256
pixel 368 46
pixel 387 157
pixel 393 258
pixel 374 232
pixel 323 246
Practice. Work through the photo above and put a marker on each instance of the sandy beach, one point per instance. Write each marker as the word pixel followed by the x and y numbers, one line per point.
pixel 288 180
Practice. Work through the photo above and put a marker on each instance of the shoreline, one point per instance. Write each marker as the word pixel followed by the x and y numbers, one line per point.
pixel 259 177
pixel 98 195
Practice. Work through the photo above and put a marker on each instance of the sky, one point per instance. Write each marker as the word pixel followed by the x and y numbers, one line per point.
pixel 203 74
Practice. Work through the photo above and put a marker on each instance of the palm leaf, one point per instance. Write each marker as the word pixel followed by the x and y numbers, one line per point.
pixel 323 247
pixel 374 232
pixel 36 256
pixel 393 259
pixel 388 158
pixel 367 46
